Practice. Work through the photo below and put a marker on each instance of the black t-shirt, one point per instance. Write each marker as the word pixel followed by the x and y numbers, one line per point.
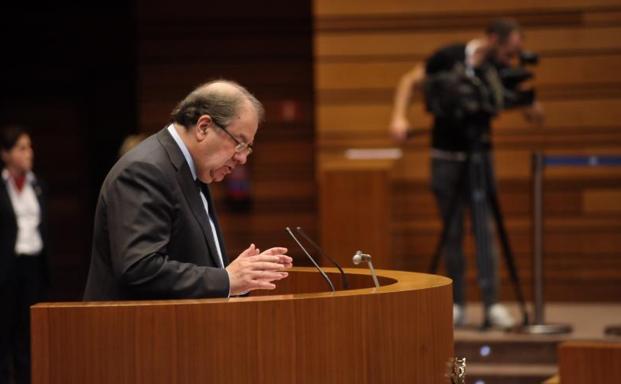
pixel 449 134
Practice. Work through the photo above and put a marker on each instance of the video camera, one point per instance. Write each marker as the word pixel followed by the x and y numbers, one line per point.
pixel 459 93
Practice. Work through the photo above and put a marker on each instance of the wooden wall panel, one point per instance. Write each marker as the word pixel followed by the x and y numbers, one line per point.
pixel 68 76
pixel 362 48
pixel 602 200
pixel 266 47
pixel 546 40
pixel 401 7
pixel 553 71
pixel 560 114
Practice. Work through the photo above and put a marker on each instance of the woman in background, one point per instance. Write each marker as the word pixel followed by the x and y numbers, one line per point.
pixel 23 270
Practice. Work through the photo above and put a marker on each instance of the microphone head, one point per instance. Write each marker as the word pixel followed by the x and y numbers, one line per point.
pixel 359 257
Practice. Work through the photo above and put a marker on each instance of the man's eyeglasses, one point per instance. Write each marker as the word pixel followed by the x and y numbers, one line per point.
pixel 241 146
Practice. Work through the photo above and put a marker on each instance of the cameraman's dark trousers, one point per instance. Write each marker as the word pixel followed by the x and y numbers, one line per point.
pixel 453 176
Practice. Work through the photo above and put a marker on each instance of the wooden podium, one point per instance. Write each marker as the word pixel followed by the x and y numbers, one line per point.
pixel 355 210
pixel 399 333
pixel 589 361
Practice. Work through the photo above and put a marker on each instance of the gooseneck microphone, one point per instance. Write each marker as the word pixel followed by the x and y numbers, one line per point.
pixel 359 257
pixel 318 249
pixel 326 278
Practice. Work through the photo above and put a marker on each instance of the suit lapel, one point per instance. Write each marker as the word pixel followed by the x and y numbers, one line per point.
pixel 190 191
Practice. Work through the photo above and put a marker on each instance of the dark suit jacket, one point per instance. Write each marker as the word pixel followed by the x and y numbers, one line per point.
pixel 152 238
pixel 8 230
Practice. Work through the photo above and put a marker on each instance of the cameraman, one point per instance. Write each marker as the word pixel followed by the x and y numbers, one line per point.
pixel 463 107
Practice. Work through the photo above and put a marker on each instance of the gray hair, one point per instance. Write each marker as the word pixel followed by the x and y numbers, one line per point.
pixel 220 99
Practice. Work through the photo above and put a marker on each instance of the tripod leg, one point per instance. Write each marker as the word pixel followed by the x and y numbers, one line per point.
pixel 506 248
pixel 448 226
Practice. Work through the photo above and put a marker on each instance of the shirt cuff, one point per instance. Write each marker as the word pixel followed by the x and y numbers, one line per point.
pixel 238 295
pixel 229 277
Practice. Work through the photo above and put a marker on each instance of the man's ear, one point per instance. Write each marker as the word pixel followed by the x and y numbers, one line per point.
pixel 202 125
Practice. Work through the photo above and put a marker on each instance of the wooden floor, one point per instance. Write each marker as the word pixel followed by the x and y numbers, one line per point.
pixel 496 356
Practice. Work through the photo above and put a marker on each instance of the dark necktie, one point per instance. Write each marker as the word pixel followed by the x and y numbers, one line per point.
pixel 202 188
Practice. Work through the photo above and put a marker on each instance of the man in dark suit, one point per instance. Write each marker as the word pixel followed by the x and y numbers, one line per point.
pixel 156 234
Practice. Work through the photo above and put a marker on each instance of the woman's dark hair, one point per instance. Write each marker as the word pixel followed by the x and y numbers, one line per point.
pixel 9 136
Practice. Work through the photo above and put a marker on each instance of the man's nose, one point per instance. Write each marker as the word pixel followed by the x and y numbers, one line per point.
pixel 240 157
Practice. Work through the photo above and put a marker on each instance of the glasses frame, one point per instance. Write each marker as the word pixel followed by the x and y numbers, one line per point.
pixel 240 145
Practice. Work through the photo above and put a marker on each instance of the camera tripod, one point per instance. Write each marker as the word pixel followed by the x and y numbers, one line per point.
pixel 476 175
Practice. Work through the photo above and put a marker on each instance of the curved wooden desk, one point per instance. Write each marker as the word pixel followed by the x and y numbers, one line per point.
pixel 399 333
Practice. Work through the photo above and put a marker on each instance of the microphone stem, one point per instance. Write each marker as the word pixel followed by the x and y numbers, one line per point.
pixel 337 265
pixel 312 261
pixel 373 274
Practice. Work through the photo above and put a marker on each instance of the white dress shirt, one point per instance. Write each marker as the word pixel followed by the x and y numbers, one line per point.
pixel 28 215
